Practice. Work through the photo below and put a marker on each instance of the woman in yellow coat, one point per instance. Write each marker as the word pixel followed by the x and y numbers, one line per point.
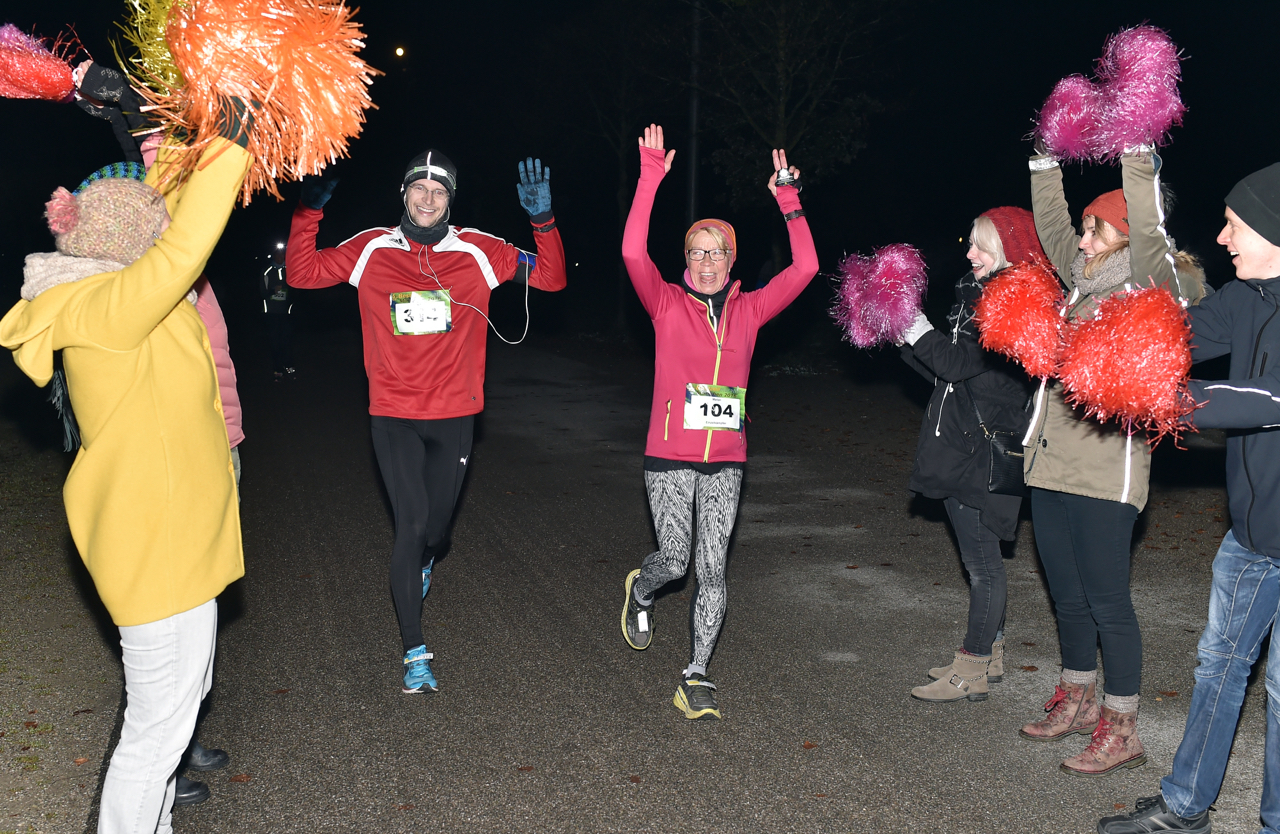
pixel 151 497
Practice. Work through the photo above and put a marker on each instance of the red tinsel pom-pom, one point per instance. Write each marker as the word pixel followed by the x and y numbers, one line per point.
pixel 1020 315
pixel 1130 362
pixel 29 70
pixel 879 297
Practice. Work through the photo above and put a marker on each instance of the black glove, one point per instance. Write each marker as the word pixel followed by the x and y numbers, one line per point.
pixel 316 190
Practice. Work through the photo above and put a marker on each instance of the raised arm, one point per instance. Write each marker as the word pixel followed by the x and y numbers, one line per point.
pixel 304 266
pixel 1149 245
pixel 120 313
pixel 654 165
pixel 546 270
pixel 1053 219
pixel 783 288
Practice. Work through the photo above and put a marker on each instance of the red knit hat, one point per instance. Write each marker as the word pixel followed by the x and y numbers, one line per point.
pixel 1017 230
pixel 1112 208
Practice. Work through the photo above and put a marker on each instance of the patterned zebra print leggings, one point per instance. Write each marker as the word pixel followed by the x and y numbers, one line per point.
pixel 671 500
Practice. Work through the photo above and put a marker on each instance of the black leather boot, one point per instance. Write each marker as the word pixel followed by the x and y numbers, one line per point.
pixel 189 792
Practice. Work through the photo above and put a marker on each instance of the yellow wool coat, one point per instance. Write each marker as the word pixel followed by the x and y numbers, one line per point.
pixel 151 497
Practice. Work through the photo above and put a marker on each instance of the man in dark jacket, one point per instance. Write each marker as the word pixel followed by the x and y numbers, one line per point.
pixel 1243 320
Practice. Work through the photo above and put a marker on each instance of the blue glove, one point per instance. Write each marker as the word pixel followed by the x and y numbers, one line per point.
pixel 316 190
pixel 535 187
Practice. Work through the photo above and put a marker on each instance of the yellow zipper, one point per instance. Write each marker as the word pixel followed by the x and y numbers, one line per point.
pixel 666 427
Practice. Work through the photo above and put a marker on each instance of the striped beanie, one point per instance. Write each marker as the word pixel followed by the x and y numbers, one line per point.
pixel 720 226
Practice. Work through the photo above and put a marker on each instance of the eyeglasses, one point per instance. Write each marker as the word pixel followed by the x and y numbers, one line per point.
pixel 716 254
pixel 434 194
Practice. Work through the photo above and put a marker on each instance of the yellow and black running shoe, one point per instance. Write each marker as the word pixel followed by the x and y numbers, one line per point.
pixel 695 697
pixel 637 619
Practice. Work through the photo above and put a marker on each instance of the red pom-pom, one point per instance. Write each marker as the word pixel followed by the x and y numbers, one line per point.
pixel 1020 315
pixel 1069 118
pixel 1130 362
pixel 62 211
pixel 879 297
pixel 29 70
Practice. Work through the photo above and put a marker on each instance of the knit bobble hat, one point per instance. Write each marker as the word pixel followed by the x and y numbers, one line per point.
pixel 1256 201
pixel 113 219
pixel 1017 230
pixel 1112 208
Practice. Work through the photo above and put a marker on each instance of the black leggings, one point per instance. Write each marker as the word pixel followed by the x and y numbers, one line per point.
pixel 423 463
pixel 1084 546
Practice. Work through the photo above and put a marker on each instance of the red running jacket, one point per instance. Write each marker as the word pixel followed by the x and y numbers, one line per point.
pixel 688 349
pixel 421 376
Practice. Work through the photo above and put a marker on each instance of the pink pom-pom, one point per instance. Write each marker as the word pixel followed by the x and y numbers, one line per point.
pixel 29 70
pixel 1130 362
pixel 1139 72
pixel 879 297
pixel 1019 315
pixel 1070 117
pixel 62 211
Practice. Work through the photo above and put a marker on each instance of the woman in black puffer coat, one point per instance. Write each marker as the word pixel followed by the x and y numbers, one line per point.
pixel 952 457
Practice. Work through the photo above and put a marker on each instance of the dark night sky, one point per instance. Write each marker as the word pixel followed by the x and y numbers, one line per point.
pixel 959 81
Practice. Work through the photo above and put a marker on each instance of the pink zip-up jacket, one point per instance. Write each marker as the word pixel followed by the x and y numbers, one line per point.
pixel 688 348
pixel 211 314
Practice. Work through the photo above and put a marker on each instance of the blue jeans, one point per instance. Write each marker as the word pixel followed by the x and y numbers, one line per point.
pixel 1243 604
pixel 988 585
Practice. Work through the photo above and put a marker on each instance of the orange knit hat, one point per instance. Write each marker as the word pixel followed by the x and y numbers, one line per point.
pixel 1112 208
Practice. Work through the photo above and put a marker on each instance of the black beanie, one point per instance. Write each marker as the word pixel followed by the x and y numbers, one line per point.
pixel 432 165
pixel 1256 199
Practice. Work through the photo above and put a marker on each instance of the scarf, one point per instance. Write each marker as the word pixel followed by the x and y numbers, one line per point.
pixel 1111 273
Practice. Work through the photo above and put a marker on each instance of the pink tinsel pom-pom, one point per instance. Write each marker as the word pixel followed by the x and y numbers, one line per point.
pixel 1069 118
pixel 29 70
pixel 1139 71
pixel 1019 315
pixel 62 211
pixel 1130 362
pixel 879 297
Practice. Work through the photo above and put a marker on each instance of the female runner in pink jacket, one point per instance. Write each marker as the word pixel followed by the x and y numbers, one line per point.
pixel 705 328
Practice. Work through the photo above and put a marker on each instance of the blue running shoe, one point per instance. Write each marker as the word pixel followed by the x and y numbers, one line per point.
pixel 417 671
pixel 426 578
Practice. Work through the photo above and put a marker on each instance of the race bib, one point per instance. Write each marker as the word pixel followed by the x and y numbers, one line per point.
pixel 421 312
pixel 714 407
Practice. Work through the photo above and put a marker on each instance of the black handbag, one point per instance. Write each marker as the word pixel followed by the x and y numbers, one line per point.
pixel 1004 468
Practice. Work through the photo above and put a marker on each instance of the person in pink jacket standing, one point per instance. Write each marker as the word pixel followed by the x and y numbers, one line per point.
pixel 705 329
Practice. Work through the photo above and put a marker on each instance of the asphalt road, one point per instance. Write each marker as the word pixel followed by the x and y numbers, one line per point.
pixel 843 591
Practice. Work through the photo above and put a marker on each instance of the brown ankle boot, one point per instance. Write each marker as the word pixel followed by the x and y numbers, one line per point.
pixel 1114 745
pixel 1072 709
pixel 995 672
pixel 968 680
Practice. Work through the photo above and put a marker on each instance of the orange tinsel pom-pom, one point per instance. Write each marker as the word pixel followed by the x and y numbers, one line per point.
pixel 1019 315
pixel 295 60
pixel 1130 362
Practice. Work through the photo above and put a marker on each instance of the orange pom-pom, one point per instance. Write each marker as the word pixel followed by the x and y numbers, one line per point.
pixel 295 60
pixel 1020 315
pixel 1130 362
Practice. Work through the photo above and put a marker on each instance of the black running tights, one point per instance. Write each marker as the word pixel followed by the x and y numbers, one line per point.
pixel 423 463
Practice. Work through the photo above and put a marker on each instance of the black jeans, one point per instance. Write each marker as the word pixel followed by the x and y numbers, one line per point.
pixel 988 586
pixel 423 463
pixel 1084 547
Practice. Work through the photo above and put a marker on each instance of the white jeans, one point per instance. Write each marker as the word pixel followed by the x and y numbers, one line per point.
pixel 168 669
